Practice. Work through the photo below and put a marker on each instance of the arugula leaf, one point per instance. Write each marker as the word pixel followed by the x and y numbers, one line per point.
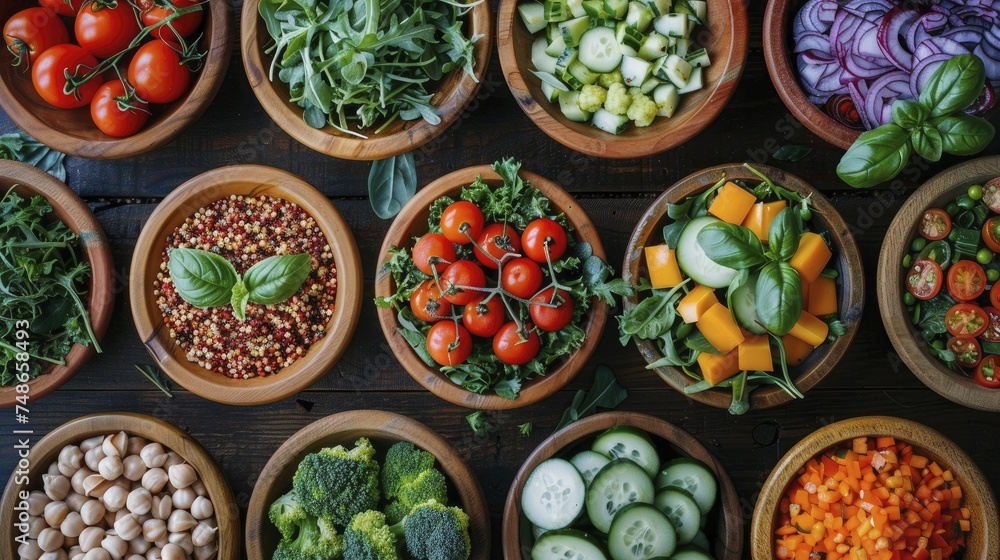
pixel 605 392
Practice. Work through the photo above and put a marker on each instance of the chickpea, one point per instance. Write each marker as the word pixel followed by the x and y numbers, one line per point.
pixel 154 530
pixel 78 477
pixel 115 545
pixel 93 458
pixel 154 553
pixel 70 460
pixel 133 468
pixel 97 554
pixel 184 498
pixel 35 527
pixel 202 508
pixel 135 445
pixel 162 507
pixel 111 467
pixel 199 488
pixel 55 555
pixel 139 501
pixel 93 512
pixel 91 538
pixel 29 550
pixel 115 445
pixel 182 475
pixel 182 540
pixel 173 552
pixel 56 487
pixel 53 469
pixel 73 525
pixel 50 540
pixel 55 512
pixel 75 501
pixel 173 458
pixel 205 552
pixel 37 500
pixel 96 485
pixel 91 443
pixel 153 455
pixel 203 534
pixel 115 498
pixel 154 480
pixel 180 521
pixel 138 545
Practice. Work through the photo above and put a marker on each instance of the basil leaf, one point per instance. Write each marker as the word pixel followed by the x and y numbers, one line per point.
pixel 954 85
pixel 791 152
pixel 927 142
pixel 277 278
pixel 605 392
pixel 784 233
pixel 240 297
pixel 876 156
pixel 672 232
pixel 964 135
pixel 731 245
pixel 909 114
pixel 201 278
pixel 391 183
pixel 779 297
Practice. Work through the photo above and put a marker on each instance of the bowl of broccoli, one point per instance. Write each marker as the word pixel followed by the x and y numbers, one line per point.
pixel 367 484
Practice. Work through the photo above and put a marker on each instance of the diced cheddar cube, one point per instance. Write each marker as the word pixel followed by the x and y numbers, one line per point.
pixel 716 368
pixel 796 351
pixel 761 215
pixel 822 296
pixel 810 329
pixel 811 257
pixel 806 291
pixel 696 303
pixel 661 261
pixel 719 328
pixel 755 354
pixel 732 204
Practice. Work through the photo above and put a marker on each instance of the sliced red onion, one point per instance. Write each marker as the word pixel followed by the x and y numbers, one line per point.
pixel 922 28
pixel 984 102
pixel 939 45
pixel 813 41
pixel 883 92
pixel 922 71
pixel 968 35
pixel 812 17
pixel 859 101
pixel 891 33
pixel 991 60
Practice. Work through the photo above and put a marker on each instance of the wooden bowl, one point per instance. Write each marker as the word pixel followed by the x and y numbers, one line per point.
pixel 846 260
pixel 73 131
pixel 728 542
pixel 46 451
pixel 412 222
pixel 453 95
pixel 383 429
pixel 781 66
pixel 73 211
pixel 725 38
pixel 184 201
pixel 906 339
pixel 984 538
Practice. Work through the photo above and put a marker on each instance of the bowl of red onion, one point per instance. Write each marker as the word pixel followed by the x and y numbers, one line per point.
pixel 839 66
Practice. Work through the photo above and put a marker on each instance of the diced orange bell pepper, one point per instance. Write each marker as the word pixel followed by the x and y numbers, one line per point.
pixel 810 329
pixel 661 261
pixel 692 306
pixel 822 296
pixel 732 204
pixel 796 351
pixel 755 354
pixel 811 257
pixel 719 328
pixel 716 368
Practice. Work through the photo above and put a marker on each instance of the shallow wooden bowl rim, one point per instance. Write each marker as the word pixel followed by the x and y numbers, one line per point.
pixel 72 210
pixel 409 222
pixel 451 103
pixel 728 542
pixel 345 428
pixel 905 339
pixel 847 258
pixel 985 535
pixel 46 450
pixel 185 200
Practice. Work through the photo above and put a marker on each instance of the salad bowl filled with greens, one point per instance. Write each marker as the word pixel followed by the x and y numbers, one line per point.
pixel 749 287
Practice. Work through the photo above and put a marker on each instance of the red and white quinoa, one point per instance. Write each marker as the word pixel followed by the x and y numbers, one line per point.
pixel 246 230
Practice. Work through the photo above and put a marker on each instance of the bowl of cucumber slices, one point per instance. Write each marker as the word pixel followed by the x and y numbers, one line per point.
pixel 678 501
pixel 622 78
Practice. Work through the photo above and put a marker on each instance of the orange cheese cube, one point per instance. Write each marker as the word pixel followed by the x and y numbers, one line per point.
pixel 732 204
pixel 716 368
pixel 755 354
pixel 806 291
pixel 796 351
pixel 719 328
pixel 696 303
pixel 810 329
pixel 822 296
pixel 811 257
pixel 661 261
pixel 760 217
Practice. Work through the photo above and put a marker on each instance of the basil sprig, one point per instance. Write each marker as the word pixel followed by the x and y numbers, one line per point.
pixel 205 279
pixel 392 182
pixel 932 125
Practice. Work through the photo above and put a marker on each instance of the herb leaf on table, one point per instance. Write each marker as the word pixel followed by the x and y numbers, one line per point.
pixel 392 182
pixel 19 146
pixel 605 392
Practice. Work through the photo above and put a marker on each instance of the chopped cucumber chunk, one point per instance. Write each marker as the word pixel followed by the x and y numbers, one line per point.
pixel 541 59
pixel 556 10
pixel 694 83
pixel 616 8
pixel 660 7
pixel 655 46
pixel 533 16
pixel 672 25
pixel 609 122
pixel 667 99
pixel 576 8
pixel 551 92
pixel 573 29
pixel 628 35
pixel 635 70
pixel 698 58
pixel 676 70
pixel 556 46
pixel 569 104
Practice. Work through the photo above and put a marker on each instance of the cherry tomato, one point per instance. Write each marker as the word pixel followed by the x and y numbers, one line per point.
pixel 497 240
pixel 460 275
pixel 924 279
pixel 183 26
pixel 966 319
pixel 62 7
pixel 484 317
pixel 105 31
pixel 106 110
pixel 448 343
pixel 514 346
pixel 991 194
pixel 992 332
pixel 991 234
pixel 521 277
pixel 550 318
pixel 157 73
pixel 31 31
pixel 427 304
pixel 49 76
pixel 433 251
pixel 988 372
pixel 462 222
pixel 966 280
pixel 967 351
pixel 541 233
pixel 936 224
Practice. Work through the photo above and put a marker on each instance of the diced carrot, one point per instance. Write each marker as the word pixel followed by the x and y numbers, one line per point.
pixel 693 305
pixel 860 445
pixel 885 442
pixel 811 257
pixel 720 329
pixel 810 329
pixel 661 261
pixel 918 462
pixel 716 368
pixel 732 203
pixel 822 296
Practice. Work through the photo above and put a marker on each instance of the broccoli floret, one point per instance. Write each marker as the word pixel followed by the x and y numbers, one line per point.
pixel 287 514
pixel 591 98
pixel 396 511
pixel 338 483
pixel 428 485
pixel 317 540
pixel 605 80
pixel 643 110
pixel 433 531
pixel 403 463
pixel 368 537
pixel 618 99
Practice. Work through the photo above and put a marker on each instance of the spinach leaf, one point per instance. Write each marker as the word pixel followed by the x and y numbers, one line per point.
pixel 697 341
pixel 778 297
pixel 202 278
pixel 731 245
pixel 605 392
pixel 651 318
pixel 391 183
pixel 277 278
pixel 927 142
pixel 876 156
pixel 909 114
pixel 784 233
pixel 954 85
pixel 671 356
pixel 21 147
pixel 964 135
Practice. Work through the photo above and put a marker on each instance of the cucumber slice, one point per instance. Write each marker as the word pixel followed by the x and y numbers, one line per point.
pixel 694 262
pixel 551 92
pixel 533 16
pixel 695 82
pixel 573 29
pixel 567 57
pixel 556 46
pixel 569 104
pixel 698 58
pixel 555 11
pixel 639 16
pixel 654 46
pixel 671 25
pixel 676 70
pixel 552 31
pixel 682 46
pixel 691 553
pixel 567 544
pixel 700 11
pixel 576 8
pixel 682 511
pixel 578 75
pixel 589 463
pixel 649 85
pixel 620 483
pixel 599 50
pixel 667 98
pixel 693 477
pixel 660 7
pixel 616 8
pixel 628 36
pixel 541 59
pixel 594 8
pixel 553 495
pixel 609 122
pixel 634 70
pixel 742 304
pixel 641 532
pixel 626 442
pixel 603 22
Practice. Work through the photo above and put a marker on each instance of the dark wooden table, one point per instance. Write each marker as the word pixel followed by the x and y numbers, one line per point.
pixel 869 380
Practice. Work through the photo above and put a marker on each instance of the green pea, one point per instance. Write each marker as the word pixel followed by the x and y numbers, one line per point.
pixel 908 299
pixel 918 244
pixel 992 275
pixel 975 192
pixel 965 201
pixel 952 209
pixel 938 344
pixel 906 261
pixel 984 256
